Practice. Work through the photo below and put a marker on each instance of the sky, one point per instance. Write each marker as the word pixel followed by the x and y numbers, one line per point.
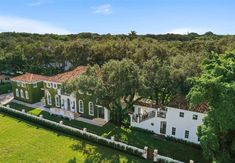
pixel 118 16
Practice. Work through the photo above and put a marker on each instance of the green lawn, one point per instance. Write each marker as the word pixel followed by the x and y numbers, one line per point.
pixel 23 142
pixel 140 139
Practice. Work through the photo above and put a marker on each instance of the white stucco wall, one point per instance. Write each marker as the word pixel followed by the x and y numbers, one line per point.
pixel 173 120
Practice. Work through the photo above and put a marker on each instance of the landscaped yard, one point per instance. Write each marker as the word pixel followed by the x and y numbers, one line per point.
pixel 140 139
pixel 24 142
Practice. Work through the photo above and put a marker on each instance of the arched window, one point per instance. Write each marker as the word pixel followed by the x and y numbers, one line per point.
pixel 17 93
pixel 27 95
pixel 91 108
pixel 48 98
pixel 21 93
pixel 57 101
pixel 81 106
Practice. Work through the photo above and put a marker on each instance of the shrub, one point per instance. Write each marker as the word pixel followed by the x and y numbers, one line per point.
pixel 5 88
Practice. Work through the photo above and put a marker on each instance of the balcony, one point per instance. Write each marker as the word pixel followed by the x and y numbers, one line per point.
pixel 138 118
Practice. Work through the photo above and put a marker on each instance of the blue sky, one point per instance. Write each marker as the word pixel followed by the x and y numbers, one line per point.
pixel 118 16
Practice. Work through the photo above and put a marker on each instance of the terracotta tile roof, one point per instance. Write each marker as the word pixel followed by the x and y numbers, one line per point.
pixel 201 108
pixel 29 77
pixel 60 78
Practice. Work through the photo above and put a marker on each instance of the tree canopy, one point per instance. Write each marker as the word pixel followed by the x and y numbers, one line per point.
pixel 216 87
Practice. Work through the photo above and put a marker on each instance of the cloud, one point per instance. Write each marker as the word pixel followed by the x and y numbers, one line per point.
pixel 105 9
pixel 17 24
pixel 186 30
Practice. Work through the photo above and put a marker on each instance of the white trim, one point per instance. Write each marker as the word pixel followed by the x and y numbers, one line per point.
pixel 21 93
pixel 17 92
pixel 27 95
pixel 79 104
pixel 35 85
pixel 89 106
pixel 57 101
pixel 49 102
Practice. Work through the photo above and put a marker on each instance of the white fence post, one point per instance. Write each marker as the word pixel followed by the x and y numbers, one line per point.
pixel 61 122
pixel 112 138
pixel 41 116
pixel 191 161
pixel 155 154
pixel 145 152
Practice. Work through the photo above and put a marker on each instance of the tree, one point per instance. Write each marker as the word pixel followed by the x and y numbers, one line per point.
pixel 158 82
pixel 115 86
pixel 132 35
pixel 216 87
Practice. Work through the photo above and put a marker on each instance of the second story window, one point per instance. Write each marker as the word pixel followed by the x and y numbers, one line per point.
pixel 195 117
pixel 49 85
pixel 35 85
pixel 181 114
pixel 55 86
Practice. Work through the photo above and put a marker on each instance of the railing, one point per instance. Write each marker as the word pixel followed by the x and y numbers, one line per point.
pixel 143 117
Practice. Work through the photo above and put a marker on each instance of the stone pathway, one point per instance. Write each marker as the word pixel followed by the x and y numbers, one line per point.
pixel 6 98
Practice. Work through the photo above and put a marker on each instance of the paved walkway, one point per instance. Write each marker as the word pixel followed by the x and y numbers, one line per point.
pixel 6 98
pixel 39 105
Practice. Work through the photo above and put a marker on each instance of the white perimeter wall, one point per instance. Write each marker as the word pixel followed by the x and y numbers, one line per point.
pixel 173 120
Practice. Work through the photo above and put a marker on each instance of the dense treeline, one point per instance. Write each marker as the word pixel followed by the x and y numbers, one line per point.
pixel 48 54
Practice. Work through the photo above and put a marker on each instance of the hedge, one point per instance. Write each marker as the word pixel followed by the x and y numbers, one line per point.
pixel 74 132
pixel 5 88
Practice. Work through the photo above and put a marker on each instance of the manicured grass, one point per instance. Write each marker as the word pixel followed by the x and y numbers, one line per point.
pixel 176 150
pixel 24 142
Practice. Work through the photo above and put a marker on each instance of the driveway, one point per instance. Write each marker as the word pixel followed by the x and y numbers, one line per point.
pixel 6 98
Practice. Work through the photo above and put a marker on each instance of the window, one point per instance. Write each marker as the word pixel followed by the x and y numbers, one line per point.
pixel 27 95
pixel 49 85
pixel 80 92
pixel 73 106
pixel 161 114
pixel 62 103
pixel 81 107
pixel 18 84
pixel 35 85
pixel 181 114
pixel 17 93
pixel 173 131
pixel 48 98
pixel 57 101
pixel 88 93
pixel 21 93
pixel 91 108
pixel 195 117
pixel 23 85
pixel 163 127
pixel 186 134
pixel 55 86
